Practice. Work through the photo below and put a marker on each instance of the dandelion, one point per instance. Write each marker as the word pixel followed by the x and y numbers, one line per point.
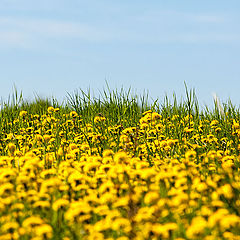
pixel 44 231
pixel 60 204
pixel 50 110
pixel 23 113
pixel 121 157
pixel 11 148
pixel 190 155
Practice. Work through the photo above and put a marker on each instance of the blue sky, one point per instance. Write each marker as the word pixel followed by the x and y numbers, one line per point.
pixel 51 47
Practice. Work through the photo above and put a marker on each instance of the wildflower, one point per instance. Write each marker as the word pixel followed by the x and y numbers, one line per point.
pixel 217 216
pixel 10 227
pixel 151 197
pixel 44 231
pixel 155 116
pixel 60 204
pixel 91 166
pixel 121 157
pixel 50 110
pixel 229 221
pixel 46 138
pixel 122 202
pixel 121 224
pixel 39 138
pixel 163 230
pixel 72 146
pixel 190 155
pixel 108 153
pixel 42 205
pixel 78 211
pixel 196 228
pixel 6 189
pixel 32 222
pixel 23 113
pixel 73 114
pixel 226 190
pixel 11 148
pixel 98 119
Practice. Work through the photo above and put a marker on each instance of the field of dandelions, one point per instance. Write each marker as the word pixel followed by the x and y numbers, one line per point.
pixel 116 167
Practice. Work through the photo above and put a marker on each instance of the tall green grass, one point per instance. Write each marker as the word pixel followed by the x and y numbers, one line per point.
pixel 119 106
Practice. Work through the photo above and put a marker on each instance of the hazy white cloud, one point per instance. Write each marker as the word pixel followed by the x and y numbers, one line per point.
pixel 208 18
pixel 168 16
pixel 13 38
pixel 52 28
pixel 208 38
pixel 32 32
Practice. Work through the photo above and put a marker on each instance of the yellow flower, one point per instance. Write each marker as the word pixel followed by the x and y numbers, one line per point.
pixel 108 153
pixel 73 114
pixel 32 222
pixel 217 216
pixel 190 155
pixel 229 221
pixel 94 236
pixel 98 119
pixel 11 148
pixel 163 229
pixel 60 204
pixel 44 231
pixel 122 202
pixel 151 197
pixel 46 138
pixel 42 205
pixel 6 189
pixel 214 123
pixel 196 228
pixel 156 116
pixel 22 113
pixel 121 157
pixel 78 211
pixel 72 146
pixel 50 110
pixel 10 227
pixel 144 214
pixel 39 137
pixel 93 166
pixel 7 236
pixel 50 185
pixel 121 224
pixel 226 190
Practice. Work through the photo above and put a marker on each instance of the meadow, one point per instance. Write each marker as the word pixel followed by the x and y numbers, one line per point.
pixel 117 167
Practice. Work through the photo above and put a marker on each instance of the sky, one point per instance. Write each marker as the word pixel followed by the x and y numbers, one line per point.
pixel 50 48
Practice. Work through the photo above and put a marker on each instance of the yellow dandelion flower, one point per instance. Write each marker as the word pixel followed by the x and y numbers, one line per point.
pixel 10 227
pixel 190 155
pixel 60 204
pixel 226 190
pixel 108 153
pixel 32 222
pixel 196 228
pixel 11 147
pixel 50 110
pixel 151 197
pixel 6 189
pixel 121 224
pixel 42 205
pixel 73 114
pixel 121 157
pixel 22 113
pixel 44 231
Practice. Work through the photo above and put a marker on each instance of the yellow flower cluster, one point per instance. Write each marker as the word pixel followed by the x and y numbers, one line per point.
pixel 165 178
